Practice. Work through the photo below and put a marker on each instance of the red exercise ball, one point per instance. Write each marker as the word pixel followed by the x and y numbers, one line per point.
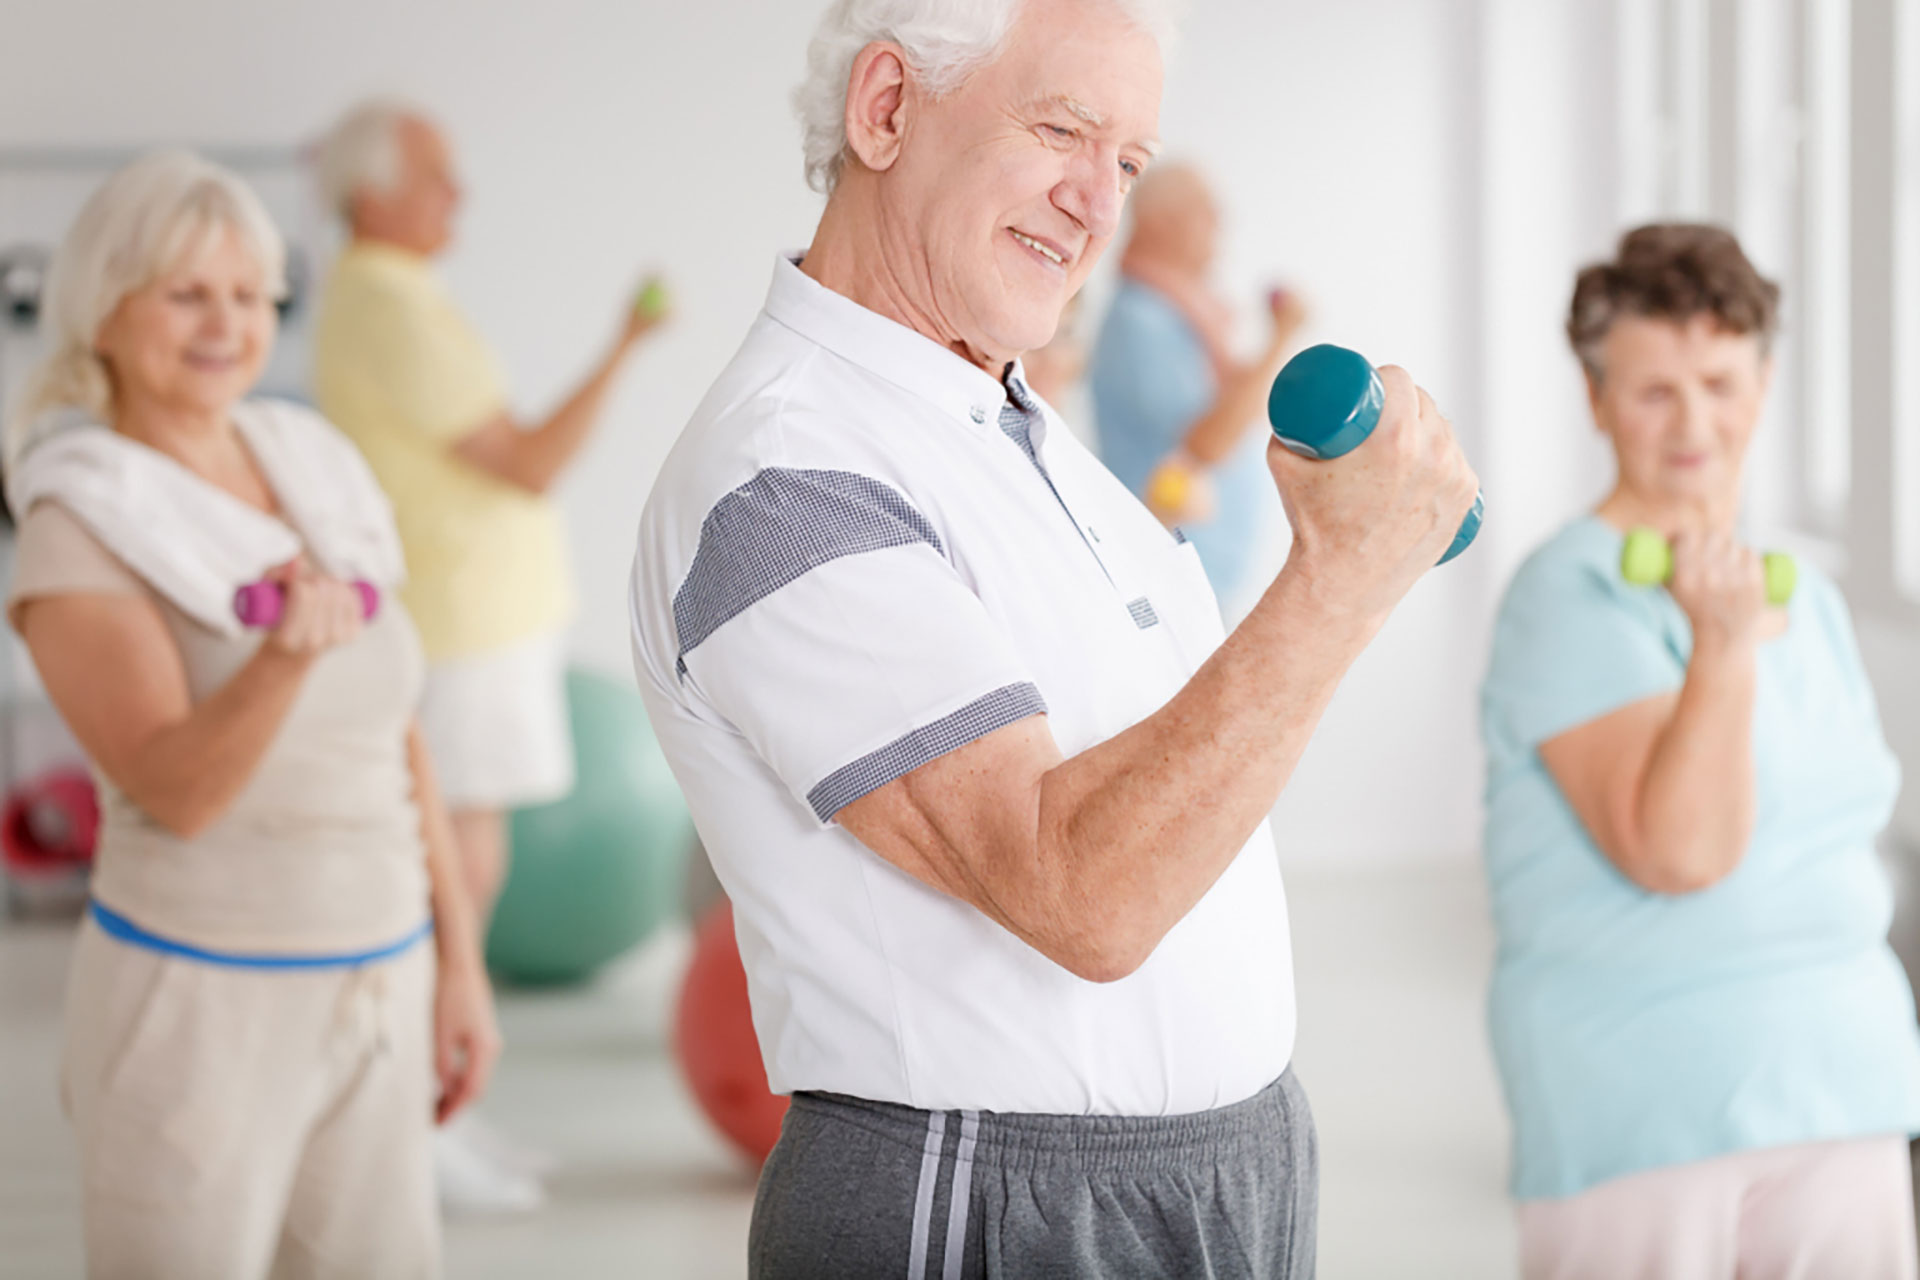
pixel 714 1040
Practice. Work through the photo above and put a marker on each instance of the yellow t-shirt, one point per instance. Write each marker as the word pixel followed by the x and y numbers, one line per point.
pixel 398 368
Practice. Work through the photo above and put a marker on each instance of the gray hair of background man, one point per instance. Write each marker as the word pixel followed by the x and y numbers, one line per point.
pixel 362 152
pixel 945 41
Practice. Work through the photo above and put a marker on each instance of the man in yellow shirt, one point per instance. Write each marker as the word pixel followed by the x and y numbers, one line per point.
pixel 400 370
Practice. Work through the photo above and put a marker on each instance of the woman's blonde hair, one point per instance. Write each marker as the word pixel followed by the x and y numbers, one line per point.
pixel 159 211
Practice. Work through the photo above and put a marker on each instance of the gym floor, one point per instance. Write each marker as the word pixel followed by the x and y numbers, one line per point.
pixel 1391 968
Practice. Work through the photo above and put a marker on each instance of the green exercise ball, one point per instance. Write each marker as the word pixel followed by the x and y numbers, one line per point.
pixel 594 874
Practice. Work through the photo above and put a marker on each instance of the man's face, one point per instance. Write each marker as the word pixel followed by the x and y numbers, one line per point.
pixel 1198 234
pixel 1176 220
pixel 1011 187
pixel 417 211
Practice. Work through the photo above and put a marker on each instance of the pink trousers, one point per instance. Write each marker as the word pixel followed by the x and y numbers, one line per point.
pixel 1823 1211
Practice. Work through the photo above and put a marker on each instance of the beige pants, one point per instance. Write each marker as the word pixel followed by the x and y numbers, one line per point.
pixel 1823 1211
pixel 239 1123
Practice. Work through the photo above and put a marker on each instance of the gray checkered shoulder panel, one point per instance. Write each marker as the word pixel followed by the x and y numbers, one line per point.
pixel 929 742
pixel 776 527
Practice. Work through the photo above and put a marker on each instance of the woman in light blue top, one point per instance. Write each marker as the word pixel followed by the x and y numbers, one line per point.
pixel 1707 1046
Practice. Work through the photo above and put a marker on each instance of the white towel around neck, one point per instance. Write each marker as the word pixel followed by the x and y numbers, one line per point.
pixel 192 541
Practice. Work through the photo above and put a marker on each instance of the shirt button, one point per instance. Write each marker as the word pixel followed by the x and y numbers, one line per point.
pixel 978 414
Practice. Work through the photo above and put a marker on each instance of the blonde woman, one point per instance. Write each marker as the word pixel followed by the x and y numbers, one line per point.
pixel 1707 1045
pixel 276 962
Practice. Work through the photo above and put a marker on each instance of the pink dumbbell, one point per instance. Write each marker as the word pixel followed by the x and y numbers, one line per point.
pixel 259 604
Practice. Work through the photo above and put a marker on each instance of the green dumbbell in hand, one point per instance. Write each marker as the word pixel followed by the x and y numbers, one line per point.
pixel 653 300
pixel 1647 561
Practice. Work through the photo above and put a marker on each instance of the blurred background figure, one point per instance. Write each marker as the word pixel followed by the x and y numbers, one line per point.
pixel 399 368
pixel 254 1014
pixel 1707 1045
pixel 1176 411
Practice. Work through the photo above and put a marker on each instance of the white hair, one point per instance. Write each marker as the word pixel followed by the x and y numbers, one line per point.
pixel 362 152
pixel 945 41
pixel 158 212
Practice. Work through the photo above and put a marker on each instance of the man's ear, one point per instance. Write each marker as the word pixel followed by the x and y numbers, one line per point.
pixel 876 105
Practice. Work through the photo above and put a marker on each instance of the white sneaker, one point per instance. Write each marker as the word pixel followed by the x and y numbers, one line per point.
pixel 471 1185
pixel 497 1149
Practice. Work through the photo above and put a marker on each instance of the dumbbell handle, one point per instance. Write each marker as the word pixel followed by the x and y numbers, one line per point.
pixel 1327 401
pixel 1646 560
pixel 260 604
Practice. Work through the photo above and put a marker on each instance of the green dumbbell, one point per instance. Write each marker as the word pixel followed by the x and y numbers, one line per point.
pixel 653 299
pixel 1647 561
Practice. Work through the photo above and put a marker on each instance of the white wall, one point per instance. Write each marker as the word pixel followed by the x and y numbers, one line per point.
pixel 1339 136
pixel 601 137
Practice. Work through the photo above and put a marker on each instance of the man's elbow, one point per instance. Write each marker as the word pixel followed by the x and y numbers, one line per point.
pixel 1103 958
pixel 539 486
pixel 511 472
pixel 1103 969
pixel 500 451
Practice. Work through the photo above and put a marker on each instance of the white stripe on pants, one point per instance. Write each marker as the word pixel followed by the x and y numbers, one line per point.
pixel 1820 1211
pixel 235 1123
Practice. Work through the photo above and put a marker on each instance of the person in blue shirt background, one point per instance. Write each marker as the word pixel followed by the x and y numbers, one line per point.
pixel 1172 405
pixel 1707 1045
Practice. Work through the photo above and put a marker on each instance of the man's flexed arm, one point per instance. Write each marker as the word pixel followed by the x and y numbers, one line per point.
pixel 1091 860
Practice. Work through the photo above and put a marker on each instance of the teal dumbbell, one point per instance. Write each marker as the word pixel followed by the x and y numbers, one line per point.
pixel 1646 560
pixel 1325 404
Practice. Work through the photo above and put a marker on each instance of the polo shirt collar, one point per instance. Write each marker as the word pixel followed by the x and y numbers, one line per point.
pixel 885 348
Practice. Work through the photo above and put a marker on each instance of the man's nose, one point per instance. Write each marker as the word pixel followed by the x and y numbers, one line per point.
pixel 1092 195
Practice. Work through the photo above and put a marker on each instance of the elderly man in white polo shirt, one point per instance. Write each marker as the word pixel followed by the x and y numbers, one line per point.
pixel 955 715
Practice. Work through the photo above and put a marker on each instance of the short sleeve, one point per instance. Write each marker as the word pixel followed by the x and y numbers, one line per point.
pixel 1572 644
pixel 822 618
pixel 417 356
pixel 1827 602
pixel 55 555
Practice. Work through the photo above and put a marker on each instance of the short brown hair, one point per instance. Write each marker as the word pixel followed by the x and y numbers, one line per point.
pixel 1671 271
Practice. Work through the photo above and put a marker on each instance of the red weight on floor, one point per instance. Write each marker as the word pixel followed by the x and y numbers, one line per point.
pixel 50 823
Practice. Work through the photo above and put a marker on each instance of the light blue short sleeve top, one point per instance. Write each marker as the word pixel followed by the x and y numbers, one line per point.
pixel 1151 379
pixel 1635 1030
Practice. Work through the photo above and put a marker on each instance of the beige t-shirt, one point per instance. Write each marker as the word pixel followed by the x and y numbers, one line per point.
pixel 321 851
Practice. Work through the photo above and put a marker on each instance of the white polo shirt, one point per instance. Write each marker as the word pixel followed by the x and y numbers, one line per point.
pixel 851 564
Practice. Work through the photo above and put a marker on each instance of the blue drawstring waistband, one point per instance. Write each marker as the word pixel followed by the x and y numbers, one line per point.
pixel 119 927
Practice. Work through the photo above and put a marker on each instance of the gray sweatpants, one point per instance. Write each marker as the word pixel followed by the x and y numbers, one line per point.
pixel 858 1189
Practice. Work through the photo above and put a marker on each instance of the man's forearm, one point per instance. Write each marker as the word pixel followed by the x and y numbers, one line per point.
pixel 533 458
pixel 1154 815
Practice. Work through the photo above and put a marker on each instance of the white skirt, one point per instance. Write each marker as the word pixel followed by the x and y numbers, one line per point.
pixel 497 726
